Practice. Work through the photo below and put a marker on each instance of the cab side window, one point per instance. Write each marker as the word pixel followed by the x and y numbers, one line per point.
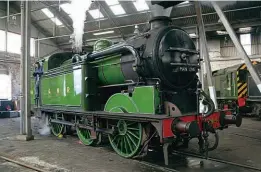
pixel 242 75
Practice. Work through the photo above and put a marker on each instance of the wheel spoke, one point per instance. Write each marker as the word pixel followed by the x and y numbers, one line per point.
pixel 133 134
pixel 133 142
pixel 84 134
pixel 118 141
pixel 121 144
pixel 129 144
pixel 87 133
pixel 131 123
pixel 115 138
pixel 125 144
pixel 126 141
pixel 130 128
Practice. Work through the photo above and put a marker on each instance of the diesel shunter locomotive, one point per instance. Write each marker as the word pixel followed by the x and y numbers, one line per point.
pixel 140 93
pixel 236 89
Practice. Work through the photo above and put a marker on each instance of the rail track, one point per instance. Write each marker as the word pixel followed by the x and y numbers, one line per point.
pixel 21 163
pixel 190 154
pixel 158 167
pixel 245 136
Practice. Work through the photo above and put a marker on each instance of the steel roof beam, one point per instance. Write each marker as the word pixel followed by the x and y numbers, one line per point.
pixel 38 27
pixel 109 17
pixel 60 15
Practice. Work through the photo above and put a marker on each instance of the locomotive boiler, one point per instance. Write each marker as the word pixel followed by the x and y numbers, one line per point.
pixel 139 93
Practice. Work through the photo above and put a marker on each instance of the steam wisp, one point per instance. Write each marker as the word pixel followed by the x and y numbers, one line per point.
pixel 44 128
pixel 78 16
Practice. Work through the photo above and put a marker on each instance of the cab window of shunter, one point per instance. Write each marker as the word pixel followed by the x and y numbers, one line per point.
pixel 242 75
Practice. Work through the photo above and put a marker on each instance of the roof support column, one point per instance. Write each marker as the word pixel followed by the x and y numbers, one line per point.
pixel 25 127
pixel 203 45
pixel 238 45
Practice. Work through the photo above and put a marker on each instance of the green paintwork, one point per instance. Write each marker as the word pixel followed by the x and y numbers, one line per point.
pixel 226 84
pixel 89 100
pixel 109 70
pixel 143 100
pixel 32 92
pixel 121 100
pixel 147 99
pixel 101 44
pixel 64 89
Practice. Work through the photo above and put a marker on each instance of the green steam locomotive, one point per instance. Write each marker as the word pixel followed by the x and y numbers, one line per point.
pixel 140 93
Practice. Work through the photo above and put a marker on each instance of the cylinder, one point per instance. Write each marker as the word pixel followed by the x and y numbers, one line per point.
pixel 190 128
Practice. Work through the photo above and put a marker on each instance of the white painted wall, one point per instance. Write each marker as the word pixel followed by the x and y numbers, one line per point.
pixel 46 46
pixel 10 62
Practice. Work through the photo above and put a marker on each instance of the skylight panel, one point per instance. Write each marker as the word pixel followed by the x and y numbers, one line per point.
pixel 245 29
pixel 96 14
pixel 49 14
pixel 103 33
pixel 221 32
pixel 185 2
pixel 117 9
pixel 193 35
pixel 67 8
pixel 57 21
pixel 112 2
pixel 141 5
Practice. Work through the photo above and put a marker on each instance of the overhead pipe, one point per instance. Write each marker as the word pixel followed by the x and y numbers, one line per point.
pixel 238 45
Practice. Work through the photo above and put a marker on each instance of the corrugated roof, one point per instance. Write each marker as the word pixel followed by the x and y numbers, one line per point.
pixel 183 16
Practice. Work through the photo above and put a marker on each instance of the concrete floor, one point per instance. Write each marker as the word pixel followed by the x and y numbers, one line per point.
pixel 241 145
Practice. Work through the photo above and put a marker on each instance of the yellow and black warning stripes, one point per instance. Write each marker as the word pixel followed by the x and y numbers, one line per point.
pixel 241 89
pixel 242 84
pixel 242 67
